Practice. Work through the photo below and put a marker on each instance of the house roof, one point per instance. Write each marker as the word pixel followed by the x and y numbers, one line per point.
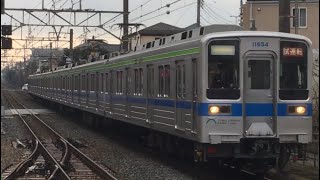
pixel 99 44
pixel 159 29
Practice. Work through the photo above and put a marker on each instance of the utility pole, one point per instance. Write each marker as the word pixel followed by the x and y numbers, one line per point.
pixel 71 43
pixel 198 12
pixel 284 16
pixel 50 60
pixel 296 17
pixel 125 41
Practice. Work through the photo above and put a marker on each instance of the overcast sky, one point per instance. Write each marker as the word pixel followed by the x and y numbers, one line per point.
pixel 182 14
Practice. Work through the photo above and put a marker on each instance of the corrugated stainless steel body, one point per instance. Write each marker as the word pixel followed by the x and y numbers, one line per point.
pixel 182 109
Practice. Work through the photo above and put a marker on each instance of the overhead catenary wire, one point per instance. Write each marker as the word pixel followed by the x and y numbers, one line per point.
pixel 153 11
pixel 218 16
pixel 167 12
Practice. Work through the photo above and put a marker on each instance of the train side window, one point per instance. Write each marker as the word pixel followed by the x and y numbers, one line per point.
pixel 184 35
pixel 148 45
pixel 190 34
pixel 201 31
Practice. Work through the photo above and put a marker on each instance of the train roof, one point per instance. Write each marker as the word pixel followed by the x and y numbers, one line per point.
pixel 195 37
pixel 255 34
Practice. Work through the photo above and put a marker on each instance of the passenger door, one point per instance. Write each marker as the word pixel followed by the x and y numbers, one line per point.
pixel 259 94
pixel 150 92
pixel 182 111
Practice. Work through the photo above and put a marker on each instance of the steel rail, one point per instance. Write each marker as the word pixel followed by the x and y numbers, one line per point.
pixel 47 155
pixel 84 158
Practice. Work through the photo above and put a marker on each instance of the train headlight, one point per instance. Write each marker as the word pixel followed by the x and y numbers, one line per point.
pixel 301 110
pixel 214 109
pixel 298 110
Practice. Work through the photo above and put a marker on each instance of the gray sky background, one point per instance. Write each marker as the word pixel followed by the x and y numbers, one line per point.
pixel 182 14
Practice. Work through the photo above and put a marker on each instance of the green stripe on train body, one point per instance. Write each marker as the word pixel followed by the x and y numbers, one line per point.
pixel 172 54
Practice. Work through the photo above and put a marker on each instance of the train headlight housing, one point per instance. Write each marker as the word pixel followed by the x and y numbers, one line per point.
pixel 219 109
pixel 298 110
pixel 214 109
pixel 301 110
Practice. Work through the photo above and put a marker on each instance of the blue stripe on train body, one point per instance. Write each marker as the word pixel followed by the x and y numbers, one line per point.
pixel 252 109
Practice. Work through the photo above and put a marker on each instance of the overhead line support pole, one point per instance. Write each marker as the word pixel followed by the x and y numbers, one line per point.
pixel 125 41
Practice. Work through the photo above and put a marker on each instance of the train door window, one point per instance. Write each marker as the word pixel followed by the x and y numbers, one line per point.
pixel 194 77
pixel 112 83
pixel 101 84
pixel 119 82
pixel 106 84
pixel 180 81
pixel 161 81
pixel 167 81
pixel 87 82
pixel 150 80
pixel 138 81
pixel 259 74
pixel 164 81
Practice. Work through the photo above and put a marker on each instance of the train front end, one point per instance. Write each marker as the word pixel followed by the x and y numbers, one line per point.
pixel 256 105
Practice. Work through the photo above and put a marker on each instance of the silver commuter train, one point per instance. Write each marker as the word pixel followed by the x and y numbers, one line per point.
pixel 238 95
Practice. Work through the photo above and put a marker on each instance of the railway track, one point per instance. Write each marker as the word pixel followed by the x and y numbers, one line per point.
pixel 53 157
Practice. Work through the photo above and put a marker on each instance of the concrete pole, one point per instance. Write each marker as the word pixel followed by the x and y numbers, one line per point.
pixel 50 60
pixel 125 25
pixel 284 16
pixel 296 17
pixel 71 43
pixel 198 12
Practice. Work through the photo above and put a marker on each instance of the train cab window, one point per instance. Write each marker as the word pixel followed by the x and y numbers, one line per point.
pixel 223 69
pixel 293 71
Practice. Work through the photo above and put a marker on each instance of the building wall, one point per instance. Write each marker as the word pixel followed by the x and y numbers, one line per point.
pixel 267 18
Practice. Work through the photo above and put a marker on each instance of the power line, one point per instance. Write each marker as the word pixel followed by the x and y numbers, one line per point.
pixel 167 5
pixel 168 12
pixel 140 6
pixel 216 14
